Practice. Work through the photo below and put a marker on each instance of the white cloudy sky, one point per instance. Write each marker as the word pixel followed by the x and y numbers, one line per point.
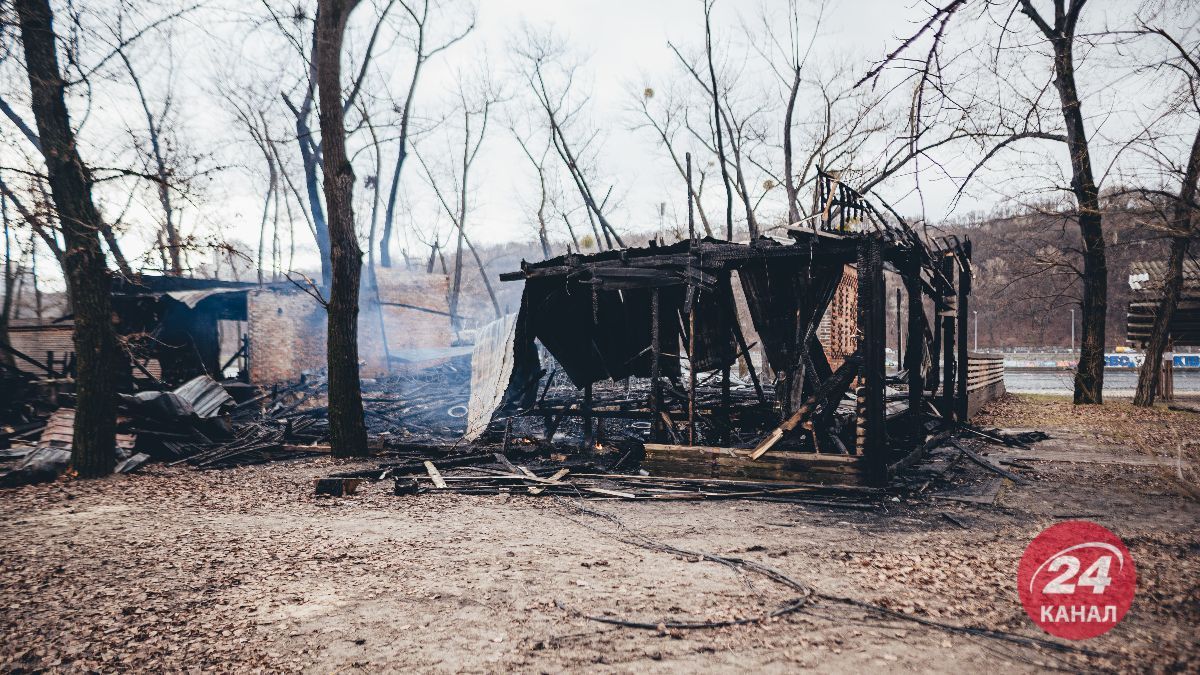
pixel 622 45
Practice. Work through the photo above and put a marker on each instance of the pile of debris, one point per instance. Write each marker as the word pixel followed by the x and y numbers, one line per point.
pixel 213 425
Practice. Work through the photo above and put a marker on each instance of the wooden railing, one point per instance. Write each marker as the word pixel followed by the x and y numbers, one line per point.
pixel 985 380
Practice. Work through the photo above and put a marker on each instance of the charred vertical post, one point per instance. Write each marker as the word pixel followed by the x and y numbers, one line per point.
pixel 655 369
pixel 914 359
pixel 588 435
pixel 949 314
pixel 691 377
pixel 872 435
pixel 899 332
pixel 964 292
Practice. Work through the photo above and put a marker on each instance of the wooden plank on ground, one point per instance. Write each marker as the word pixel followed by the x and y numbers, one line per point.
pixel 737 463
pixel 558 475
pixel 434 474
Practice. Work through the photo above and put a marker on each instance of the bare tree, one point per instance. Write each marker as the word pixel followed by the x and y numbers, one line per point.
pixel 1182 221
pixel 422 52
pixel 541 54
pixel 667 121
pixel 163 173
pixel 538 162
pixel 347 430
pixel 83 262
pixel 475 108
pixel 1060 32
pixel 310 146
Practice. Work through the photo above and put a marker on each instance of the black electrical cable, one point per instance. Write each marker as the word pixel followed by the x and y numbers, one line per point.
pixel 808 594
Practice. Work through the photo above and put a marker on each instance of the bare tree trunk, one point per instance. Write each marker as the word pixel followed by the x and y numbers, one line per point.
pixel 456 287
pixel 712 73
pixel 87 275
pixel 348 434
pixel 789 179
pixel 33 278
pixel 174 243
pixel 1173 286
pixel 487 283
pixel 311 162
pixel 1089 375
pixel 10 279
pixel 385 244
pixel 262 226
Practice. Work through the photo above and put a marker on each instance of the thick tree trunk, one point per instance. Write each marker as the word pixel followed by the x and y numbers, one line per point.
pixel 1089 375
pixel 87 276
pixel 1147 386
pixel 1173 284
pixel 348 434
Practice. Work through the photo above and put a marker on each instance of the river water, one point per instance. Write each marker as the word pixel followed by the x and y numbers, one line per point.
pixel 1116 382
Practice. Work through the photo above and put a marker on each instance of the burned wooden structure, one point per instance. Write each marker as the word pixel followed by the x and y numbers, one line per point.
pixel 667 314
pixel 1146 280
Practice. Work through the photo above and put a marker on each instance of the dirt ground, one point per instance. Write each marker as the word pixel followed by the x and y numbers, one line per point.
pixel 245 569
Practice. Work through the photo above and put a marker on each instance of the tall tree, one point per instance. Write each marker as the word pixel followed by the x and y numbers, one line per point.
pixel 1060 32
pixel 87 276
pixel 347 431
pixel 1182 228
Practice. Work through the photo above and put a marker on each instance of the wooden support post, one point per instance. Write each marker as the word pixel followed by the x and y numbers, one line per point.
pixel 948 346
pixel 914 359
pixel 655 368
pixel 964 293
pixel 588 438
pixel 744 350
pixel 935 350
pixel 899 333
pixel 872 435
pixel 692 376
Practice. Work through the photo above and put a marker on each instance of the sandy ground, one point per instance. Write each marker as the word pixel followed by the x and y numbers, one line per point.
pixel 245 570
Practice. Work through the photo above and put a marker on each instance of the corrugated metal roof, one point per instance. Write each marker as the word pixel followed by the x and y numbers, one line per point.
pixel 193 298
pixel 60 429
pixel 35 338
pixel 205 394
pixel 1146 276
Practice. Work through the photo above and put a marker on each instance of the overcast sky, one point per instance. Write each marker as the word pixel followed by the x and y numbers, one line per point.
pixel 622 45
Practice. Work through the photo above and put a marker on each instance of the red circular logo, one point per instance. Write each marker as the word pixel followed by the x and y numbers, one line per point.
pixel 1076 580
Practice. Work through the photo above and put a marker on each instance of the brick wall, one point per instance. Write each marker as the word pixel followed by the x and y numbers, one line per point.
pixel 409 328
pixel 288 331
pixel 839 326
pixel 287 334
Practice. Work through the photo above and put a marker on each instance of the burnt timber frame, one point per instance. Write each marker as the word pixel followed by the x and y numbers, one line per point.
pixel 890 426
